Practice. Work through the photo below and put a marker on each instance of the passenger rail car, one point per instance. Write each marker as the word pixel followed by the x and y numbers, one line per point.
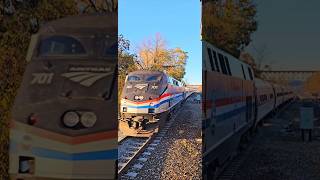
pixel 266 99
pixel 228 97
pixel 234 102
pixel 148 98
pixel 64 118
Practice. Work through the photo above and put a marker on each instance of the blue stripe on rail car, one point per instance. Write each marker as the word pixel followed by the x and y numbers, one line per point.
pixel 96 155
pixel 230 114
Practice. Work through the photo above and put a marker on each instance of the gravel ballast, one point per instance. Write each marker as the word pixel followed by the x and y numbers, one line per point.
pixel 178 155
pixel 278 152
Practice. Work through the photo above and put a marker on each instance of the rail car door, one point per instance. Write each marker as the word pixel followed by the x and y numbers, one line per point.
pixel 249 108
pixel 255 106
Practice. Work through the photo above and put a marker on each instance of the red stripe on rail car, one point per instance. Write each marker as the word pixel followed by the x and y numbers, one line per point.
pixel 222 102
pixel 227 101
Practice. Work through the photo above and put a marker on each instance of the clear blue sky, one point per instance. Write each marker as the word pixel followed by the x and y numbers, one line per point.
pixel 290 29
pixel 178 21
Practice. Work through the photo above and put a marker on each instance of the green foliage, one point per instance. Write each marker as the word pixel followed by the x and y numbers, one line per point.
pixel 126 62
pixel 229 24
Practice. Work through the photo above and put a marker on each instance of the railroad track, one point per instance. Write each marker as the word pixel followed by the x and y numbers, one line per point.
pixel 233 166
pixel 129 149
pixel 133 152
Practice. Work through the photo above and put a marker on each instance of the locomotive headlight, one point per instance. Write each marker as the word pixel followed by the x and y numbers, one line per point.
pixel 88 119
pixel 71 119
pixel 138 97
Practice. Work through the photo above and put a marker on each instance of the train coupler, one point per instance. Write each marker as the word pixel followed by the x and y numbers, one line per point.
pixel 137 123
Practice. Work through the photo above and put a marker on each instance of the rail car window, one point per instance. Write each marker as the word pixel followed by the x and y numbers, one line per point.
pixel 175 82
pixel 133 78
pixel 153 78
pixel 61 45
pixel 271 96
pixel 210 58
pixel 222 64
pixel 228 65
pixel 216 60
pixel 280 94
pixel 250 73
pixel 244 74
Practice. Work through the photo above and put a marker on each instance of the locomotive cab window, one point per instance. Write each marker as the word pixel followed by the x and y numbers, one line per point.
pixel 61 45
pixel 133 78
pixel 155 78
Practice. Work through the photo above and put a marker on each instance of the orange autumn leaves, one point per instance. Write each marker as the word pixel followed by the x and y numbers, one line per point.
pixel 153 54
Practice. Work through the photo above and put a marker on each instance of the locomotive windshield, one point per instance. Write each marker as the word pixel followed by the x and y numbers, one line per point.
pixel 146 78
pixel 154 78
pixel 147 83
pixel 61 45
pixel 133 79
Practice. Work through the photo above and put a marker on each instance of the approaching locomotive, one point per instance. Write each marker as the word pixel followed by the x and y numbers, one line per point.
pixel 148 98
pixel 64 118
pixel 234 102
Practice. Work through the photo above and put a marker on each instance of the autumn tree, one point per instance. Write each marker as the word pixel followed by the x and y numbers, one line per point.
pixel 153 54
pixel 258 58
pixel 228 24
pixel 312 85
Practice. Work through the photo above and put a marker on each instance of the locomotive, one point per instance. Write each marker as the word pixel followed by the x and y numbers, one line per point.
pixel 64 120
pixel 148 99
pixel 234 103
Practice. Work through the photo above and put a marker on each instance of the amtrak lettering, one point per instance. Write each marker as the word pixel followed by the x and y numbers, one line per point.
pixel 91 69
pixel 141 86
pixel 87 76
